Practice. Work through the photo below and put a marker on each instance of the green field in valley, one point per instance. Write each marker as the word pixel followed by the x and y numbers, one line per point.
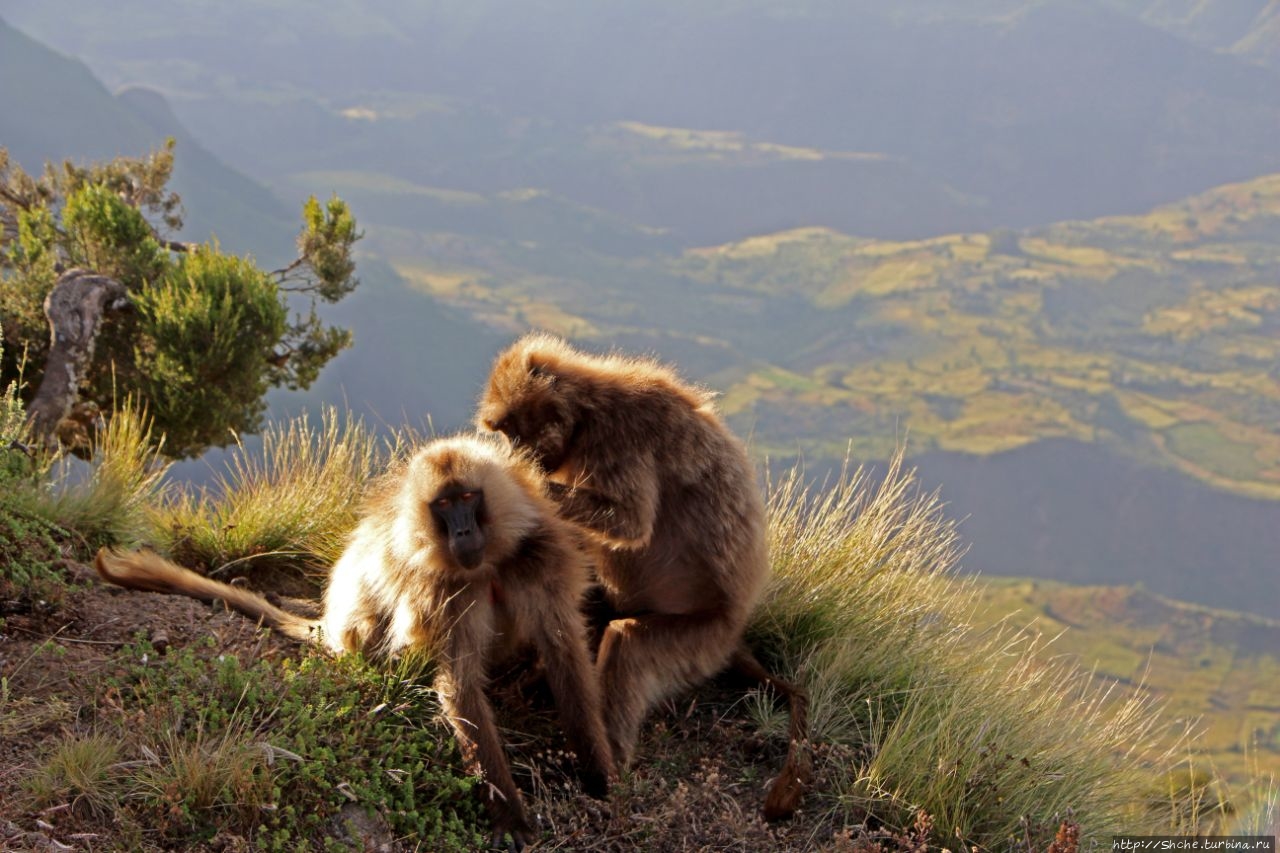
pixel 1157 335
pixel 1217 673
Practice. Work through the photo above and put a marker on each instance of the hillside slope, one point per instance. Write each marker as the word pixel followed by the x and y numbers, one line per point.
pixel 1215 670
pixel 1246 28
pixel 60 110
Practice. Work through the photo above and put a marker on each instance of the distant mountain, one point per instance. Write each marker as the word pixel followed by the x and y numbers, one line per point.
pixel 1072 511
pixel 530 216
pixel 1154 334
pixel 697 187
pixel 1247 28
pixel 53 108
pixel 999 112
pixel 415 360
pixel 243 214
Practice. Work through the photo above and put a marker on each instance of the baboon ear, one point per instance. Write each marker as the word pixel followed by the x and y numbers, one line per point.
pixel 538 369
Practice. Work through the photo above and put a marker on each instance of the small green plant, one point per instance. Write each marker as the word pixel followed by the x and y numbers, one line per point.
pixel 276 752
pixel 29 557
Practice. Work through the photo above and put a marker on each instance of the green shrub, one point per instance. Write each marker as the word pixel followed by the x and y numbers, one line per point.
pixel 29 560
pixel 192 351
pixel 206 334
pixel 109 236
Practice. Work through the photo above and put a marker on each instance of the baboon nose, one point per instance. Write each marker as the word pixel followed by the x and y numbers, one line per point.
pixel 468 548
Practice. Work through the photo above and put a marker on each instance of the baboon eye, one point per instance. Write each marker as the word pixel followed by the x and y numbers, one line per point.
pixel 441 503
pixel 467 497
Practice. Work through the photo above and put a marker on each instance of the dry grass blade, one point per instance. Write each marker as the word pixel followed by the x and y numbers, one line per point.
pixel 294 501
pixel 977 728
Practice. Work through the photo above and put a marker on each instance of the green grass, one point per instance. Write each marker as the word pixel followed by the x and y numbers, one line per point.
pixel 920 704
pixel 112 501
pixel 1040 343
pixel 273 752
pixel 921 709
pixel 82 772
pixel 196 777
pixel 292 503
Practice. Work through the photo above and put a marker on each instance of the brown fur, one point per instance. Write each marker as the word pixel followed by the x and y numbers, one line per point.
pixel 397 587
pixel 643 461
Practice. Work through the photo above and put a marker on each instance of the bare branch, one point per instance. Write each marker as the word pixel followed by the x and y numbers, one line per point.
pixel 11 198
pixel 8 224
pixel 174 245
pixel 75 308
pixel 24 449
pixel 285 273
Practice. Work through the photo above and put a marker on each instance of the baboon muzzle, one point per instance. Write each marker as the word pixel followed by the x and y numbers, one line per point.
pixel 466 539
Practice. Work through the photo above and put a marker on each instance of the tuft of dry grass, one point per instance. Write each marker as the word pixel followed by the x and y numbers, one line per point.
pixel 189 777
pixel 294 501
pixel 104 501
pixel 12 416
pixel 981 729
pixel 111 502
pixel 82 773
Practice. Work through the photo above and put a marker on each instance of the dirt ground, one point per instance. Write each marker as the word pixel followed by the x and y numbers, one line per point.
pixel 698 784
pixel 52 655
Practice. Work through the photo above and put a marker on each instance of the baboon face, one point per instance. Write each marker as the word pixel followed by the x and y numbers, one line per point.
pixel 528 406
pixel 458 513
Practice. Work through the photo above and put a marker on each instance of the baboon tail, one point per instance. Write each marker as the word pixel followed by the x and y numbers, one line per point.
pixel 149 572
pixel 783 797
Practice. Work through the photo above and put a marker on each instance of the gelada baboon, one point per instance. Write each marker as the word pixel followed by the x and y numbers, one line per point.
pixel 642 461
pixel 462 554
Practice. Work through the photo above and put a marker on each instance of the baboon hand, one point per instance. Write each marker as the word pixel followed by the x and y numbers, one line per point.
pixel 511 839
pixel 595 783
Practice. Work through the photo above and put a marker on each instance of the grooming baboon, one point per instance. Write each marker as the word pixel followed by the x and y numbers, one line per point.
pixel 642 461
pixel 462 554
